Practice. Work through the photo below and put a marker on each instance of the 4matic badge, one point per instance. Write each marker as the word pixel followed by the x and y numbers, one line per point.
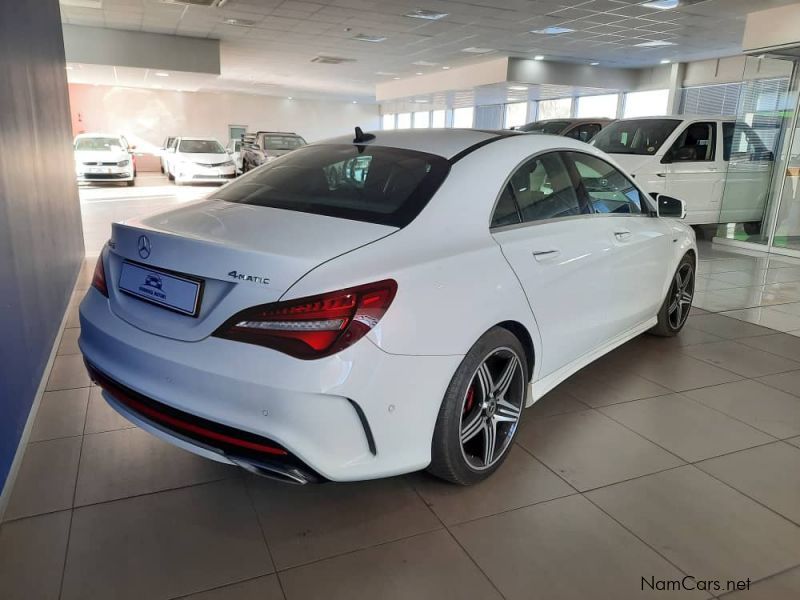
pixel 253 278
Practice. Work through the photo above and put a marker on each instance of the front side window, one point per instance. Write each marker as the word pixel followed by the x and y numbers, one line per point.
pixel 584 132
pixel 543 189
pixel 387 186
pixel 637 136
pixel 200 147
pixel 697 143
pixel 608 190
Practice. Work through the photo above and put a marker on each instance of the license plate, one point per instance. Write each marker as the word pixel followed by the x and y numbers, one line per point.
pixel 165 289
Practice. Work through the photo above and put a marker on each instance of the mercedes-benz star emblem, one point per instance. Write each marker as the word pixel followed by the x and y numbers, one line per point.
pixel 144 246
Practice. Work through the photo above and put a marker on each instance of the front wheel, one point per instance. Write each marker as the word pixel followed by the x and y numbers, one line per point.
pixel 131 183
pixel 675 309
pixel 481 410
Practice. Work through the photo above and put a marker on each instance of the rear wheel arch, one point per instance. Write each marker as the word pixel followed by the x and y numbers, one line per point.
pixel 523 335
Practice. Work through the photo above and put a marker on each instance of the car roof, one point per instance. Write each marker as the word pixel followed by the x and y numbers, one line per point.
pixel 98 135
pixel 198 139
pixel 447 143
pixel 684 118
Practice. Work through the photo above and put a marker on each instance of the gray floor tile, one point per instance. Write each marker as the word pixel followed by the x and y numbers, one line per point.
pixel 430 566
pixel 694 311
pixel 563 549
pixel 727 327
pixel 32 557
pixel 68 372
pixel 69 341
pixel 260 588
pixel 788 382
pixel 794 441
pixel 555 402
pixel 590 450
pixel 61 414
pixel 679 372
pixel 782 344
pixel 768 474
pixel 46 478
pixel 73 317
pixel 521 481
pixel 768 409
pixel 785 586
pixel 601 387
pixel 767 317
pixel 307 523
pixel 685 427
pixel 130 462
pixel 101 417
pixel 792 308
pixel 743 360
pixel 702 525
pixel 164 545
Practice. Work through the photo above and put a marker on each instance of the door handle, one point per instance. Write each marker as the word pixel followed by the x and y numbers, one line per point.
pixel 622 235
pixel 542 255
pixel 661 174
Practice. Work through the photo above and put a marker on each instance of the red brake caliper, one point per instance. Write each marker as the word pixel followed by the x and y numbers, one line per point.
pixel 470 399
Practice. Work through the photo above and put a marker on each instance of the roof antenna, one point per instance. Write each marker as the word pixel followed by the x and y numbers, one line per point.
pixel 362 137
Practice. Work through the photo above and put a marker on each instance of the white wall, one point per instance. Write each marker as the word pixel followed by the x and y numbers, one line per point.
pixel 148 116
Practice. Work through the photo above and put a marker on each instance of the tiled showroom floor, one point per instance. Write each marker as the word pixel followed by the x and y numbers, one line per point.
pixel 667 457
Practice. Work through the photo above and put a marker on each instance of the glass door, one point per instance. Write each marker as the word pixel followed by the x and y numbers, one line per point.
pixel 786 233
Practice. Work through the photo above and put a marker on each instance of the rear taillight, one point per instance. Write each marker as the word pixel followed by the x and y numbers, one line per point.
pixel 99 277
pixel 315 326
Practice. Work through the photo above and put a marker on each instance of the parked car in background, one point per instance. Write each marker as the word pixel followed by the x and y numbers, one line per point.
pixel 199 160
pixel 582 130
pixel 168 142
pixel 104 157
pixel 234 149
pixel 696 159
pixel 310 321
pixel 262 147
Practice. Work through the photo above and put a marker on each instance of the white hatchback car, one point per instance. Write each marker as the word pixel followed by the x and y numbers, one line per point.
pixel 104 157
pixel 699 160
pixel 199 160
pixel 366 307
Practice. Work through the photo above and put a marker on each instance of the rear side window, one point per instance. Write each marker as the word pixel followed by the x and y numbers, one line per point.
pixel 584 132
pixel 543 189
pixel 506 213
pixel 387 186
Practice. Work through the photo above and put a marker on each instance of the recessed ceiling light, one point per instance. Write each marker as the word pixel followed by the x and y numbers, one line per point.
pixel 355 101
pixel 552 30
pixel 290 98
pixel 419 73
pixel 395 78
pixel 538 57
pixel 161 74
pixel 594 64
pixel 424 63
pixel 474 50
pixel 445 68
pixel 239 22
pixel 428 15
pixel 655 44
pixel 665 61
pixel 518 88
pixel 364 37
pixel 662 4
pixel 384 73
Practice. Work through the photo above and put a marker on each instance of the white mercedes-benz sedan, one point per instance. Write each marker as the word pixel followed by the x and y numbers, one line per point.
pixel 370 306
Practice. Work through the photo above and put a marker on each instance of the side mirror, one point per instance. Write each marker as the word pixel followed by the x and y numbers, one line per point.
pixel 667 206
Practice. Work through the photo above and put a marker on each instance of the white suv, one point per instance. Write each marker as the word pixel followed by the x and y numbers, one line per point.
pixel 104 157
pixel 695 159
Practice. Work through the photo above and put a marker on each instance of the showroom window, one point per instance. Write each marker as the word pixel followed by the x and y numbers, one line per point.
pixel 388 122
pixel 516 114
pixel 422 119
pixel 598 106
pixel 646 104
pixel 462 117
pixel 404 121
pixel 438 118
pixel 559 108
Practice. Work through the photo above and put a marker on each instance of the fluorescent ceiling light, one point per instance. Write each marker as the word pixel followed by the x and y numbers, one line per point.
pixel 424 63
pixel 474 50
pixel 384 73
pixel 290 98
pixel 538 57
pixel 69 67
pixel 665 61
pixel 662 4
pixel 395 78
pixel 518 88
pixel 654 44
pixel 594 64
pixel 445 68
pixel 239 22
pixel 420 100
pixel 419 73
pixel 355 101
pixel 428 15
pixel 364 37
pixel 161 74
pixel 552 30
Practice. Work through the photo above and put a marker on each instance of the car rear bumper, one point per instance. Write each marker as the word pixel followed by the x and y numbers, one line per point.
pixel 359 414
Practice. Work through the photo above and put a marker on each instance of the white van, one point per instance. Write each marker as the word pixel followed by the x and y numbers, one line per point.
pixel 695 159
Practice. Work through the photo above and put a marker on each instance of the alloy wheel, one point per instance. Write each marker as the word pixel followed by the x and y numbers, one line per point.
pixel 681 294
pixel 491 408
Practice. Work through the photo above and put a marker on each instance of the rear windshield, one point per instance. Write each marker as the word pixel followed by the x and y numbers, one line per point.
pixel 200 147
pixel 283 142
pixel 387 186
pixel 102 144
pixel 639 136
pixel 552 127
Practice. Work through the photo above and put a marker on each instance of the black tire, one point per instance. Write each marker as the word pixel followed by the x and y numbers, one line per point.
pixel 752 228
pixel 131 183
pixel 468 412
pixel 162 169
pixel 170 176
pixel 676 306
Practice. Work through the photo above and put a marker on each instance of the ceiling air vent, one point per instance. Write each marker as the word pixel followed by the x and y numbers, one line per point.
pixel 206 3
pixel 331 60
